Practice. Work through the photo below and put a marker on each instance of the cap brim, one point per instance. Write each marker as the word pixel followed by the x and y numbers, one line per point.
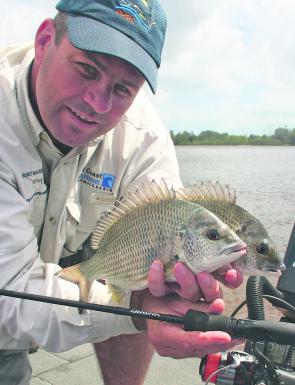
pixel 92 35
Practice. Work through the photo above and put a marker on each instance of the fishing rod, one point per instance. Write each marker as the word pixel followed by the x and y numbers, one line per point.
pixel 93 306
pixel 271 331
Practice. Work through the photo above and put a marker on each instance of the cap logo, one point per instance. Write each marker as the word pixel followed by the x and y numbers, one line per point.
pixel 126 16
pixel 131 11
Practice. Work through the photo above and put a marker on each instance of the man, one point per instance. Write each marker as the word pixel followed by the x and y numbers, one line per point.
pixel 77 133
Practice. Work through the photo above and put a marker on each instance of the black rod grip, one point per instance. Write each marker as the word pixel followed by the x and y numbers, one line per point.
pixel 279 332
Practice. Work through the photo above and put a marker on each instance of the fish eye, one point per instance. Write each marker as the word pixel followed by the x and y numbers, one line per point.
pixel 213 235
pixel 262 248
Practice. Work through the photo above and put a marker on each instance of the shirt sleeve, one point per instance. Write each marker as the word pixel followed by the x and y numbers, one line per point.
pixel 55 328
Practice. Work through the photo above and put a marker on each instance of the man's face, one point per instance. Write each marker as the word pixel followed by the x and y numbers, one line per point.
pixel 82 95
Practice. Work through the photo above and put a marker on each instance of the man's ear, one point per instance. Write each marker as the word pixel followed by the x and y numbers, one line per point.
pixel 45 35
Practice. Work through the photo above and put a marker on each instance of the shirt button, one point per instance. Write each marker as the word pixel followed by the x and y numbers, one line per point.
pixel 52 220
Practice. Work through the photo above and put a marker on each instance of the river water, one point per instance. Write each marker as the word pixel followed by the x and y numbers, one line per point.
pixel 263 177
pixel 264 180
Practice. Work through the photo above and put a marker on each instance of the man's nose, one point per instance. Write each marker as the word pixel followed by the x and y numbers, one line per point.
pixel 100 98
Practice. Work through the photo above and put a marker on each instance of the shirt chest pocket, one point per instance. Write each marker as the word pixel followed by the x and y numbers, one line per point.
pixel 37 208
pixel 93 208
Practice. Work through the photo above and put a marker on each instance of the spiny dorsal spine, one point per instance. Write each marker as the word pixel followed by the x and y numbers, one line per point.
pixel 146 193
pixel 207 191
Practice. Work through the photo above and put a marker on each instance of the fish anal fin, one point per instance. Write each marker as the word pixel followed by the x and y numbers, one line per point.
pixel 141 284
pixel 117 293
pixel 75 275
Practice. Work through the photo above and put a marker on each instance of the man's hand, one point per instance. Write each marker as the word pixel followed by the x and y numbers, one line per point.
pixel 170 340
pixel 177 298
pixel 192 287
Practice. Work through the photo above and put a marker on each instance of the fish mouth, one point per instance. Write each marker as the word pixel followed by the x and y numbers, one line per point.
pixel 274 268
pixel 236 250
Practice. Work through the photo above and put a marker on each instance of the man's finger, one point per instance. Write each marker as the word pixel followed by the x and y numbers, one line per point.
pixel 156 279
pixel 209 286
pixel 188 287
pixel 231 278
pixel 173 341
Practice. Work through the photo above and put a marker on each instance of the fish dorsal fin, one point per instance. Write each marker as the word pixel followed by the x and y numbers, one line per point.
pixel 207 191
pixel 148 192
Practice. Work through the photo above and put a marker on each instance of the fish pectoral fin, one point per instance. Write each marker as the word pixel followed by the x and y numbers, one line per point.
pixel 117 293
pixel 75 275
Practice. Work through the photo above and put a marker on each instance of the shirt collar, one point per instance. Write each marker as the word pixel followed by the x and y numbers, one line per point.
pixel 22 78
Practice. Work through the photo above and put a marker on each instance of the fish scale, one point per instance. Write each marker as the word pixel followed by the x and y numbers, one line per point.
pixel 141 241
pixel 152 223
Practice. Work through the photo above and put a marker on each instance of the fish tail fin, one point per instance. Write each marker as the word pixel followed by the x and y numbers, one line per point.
pixel 75 275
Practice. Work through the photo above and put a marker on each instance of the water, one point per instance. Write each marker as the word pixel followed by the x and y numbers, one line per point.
pixel 263 177
pixel 264 180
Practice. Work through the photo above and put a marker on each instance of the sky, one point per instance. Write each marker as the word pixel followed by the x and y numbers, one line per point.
pixel 227 65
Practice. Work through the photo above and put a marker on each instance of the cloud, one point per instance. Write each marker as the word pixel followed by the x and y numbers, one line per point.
pixel 228 65
pixel 233 66
pixel 20 20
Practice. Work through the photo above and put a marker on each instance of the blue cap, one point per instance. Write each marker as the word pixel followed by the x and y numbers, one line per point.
pixel 133 30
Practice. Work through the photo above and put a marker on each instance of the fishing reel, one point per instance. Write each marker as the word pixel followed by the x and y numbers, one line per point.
pixel 234 367
pixel 267 358
pixel 241 368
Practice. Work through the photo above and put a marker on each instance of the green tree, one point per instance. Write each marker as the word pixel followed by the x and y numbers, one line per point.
pixel 282 134
pixel 292 137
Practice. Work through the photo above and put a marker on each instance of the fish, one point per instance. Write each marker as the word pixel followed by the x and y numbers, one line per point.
pixel 148 224
pixel 262 254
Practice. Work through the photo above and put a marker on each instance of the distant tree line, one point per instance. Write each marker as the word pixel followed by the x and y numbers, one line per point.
pixel 281 136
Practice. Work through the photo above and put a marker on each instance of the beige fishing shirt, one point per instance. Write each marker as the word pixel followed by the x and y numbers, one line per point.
pixel 49 204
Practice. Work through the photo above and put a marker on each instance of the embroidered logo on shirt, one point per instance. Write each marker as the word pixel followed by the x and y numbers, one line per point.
pixel 32 173
pixel 108 180
pixel 35 179
pixel 100 181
